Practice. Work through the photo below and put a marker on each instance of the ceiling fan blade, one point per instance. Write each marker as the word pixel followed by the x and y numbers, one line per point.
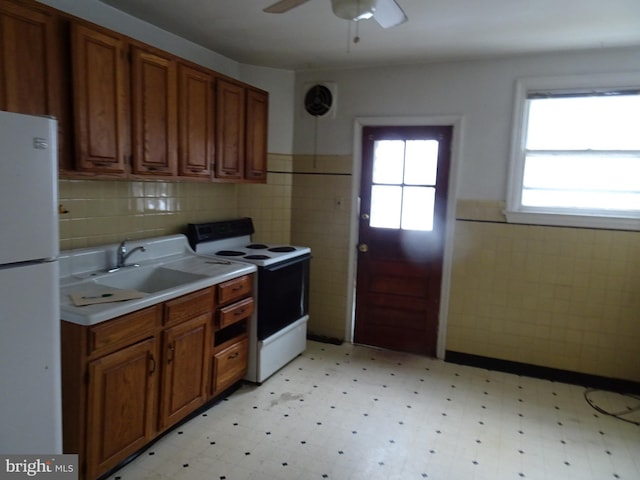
pixel 389 14
pixel 284 6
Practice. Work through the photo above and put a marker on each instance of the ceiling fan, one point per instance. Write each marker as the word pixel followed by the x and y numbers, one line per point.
pixel 386 12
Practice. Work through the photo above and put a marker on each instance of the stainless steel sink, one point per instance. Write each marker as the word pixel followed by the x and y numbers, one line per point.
pixel 147 279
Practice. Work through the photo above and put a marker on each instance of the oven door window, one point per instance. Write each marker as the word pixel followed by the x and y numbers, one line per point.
pixel 283 295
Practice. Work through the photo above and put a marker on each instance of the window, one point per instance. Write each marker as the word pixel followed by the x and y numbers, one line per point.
pixel 403 184
pixel 576 153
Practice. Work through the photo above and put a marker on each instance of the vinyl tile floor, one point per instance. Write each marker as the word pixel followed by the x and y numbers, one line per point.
pixel 353 413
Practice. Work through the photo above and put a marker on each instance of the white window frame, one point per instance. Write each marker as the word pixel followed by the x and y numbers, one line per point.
pixel 515 212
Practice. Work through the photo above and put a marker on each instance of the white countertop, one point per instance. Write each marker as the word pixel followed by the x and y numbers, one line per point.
pixel 83 269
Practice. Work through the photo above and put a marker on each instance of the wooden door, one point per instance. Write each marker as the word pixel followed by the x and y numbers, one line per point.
pixel 257 135
pixel 101 96
pixel 230 130
pixel 185 374
pixel 405 172
pixel 154 113
pixel 32 66
pixel 196 115
pixel 121 399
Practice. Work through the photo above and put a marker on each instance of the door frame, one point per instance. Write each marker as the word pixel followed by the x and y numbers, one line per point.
pixel 457 122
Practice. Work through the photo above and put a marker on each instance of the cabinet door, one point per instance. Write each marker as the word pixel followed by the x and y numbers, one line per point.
pixel 257 135
pixel 32 66
pixel 100 92
pixel 185 369
pixel 121 399
pixel 230 130
pixel 154 113
pixel 195 128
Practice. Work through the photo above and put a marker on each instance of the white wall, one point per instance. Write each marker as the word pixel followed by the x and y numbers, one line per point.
pixel 279 83
pixel 481 91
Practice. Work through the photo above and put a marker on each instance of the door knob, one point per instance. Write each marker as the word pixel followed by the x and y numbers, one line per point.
pixel 363 247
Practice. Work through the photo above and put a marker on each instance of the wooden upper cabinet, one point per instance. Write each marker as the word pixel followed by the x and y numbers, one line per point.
pixel 32 65
pixel 154 112
pixel 126 109
pixel 195 122
pixel 100 91
pixel 230 130
pixel 256 135
pixel 28 59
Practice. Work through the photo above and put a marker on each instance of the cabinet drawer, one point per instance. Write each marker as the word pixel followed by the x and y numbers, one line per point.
pixel 123 331
pixel 235 312
pixel 234 289
pixel 230 365
pixel 188 306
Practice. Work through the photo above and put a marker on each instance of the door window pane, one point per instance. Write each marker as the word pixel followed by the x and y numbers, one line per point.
pixel 421 162
pixel 386 205
pixel 403 190
pixel 388 161
pixel 417 211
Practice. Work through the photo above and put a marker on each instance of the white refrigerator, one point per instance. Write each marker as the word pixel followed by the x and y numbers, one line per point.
pixel 30 390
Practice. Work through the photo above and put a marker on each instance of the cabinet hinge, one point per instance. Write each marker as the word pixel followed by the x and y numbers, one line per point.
pixel 86 378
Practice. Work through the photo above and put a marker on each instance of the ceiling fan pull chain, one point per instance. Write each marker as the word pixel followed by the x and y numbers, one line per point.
pixel 356 38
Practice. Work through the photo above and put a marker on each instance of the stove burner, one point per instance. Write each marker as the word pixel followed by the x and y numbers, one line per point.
pixel 230 253
pixel 282 249
pixel 257 246
pixel 257 257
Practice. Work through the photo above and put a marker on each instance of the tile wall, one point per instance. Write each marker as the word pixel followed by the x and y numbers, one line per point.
pixel 95 212
pixel 558 297
pixel 564 298
pixel 321 202
pixel 270 204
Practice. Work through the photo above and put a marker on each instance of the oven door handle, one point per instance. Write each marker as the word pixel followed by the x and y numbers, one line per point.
pixel 286 263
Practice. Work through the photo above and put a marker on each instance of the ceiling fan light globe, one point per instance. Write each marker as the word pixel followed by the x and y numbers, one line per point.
pixel 353 9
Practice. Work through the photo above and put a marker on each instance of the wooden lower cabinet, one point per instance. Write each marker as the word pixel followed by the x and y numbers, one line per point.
pixel 127 380
pixel 185 369
pixel 231 344
pixel 230 365
pixel 121 396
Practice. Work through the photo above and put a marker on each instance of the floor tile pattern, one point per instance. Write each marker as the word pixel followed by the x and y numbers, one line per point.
pixel 353 413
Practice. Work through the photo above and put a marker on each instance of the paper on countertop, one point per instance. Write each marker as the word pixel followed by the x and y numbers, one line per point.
pixel 82 299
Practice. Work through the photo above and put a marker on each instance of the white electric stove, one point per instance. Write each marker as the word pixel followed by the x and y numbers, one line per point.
pixel 278 332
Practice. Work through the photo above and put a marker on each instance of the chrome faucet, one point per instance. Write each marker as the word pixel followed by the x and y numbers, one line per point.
pixel 122 255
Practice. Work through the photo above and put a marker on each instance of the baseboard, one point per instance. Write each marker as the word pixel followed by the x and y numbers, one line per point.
pixel 547 373
pixel 323 339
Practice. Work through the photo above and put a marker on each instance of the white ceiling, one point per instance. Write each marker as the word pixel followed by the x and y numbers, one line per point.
pixel 311 37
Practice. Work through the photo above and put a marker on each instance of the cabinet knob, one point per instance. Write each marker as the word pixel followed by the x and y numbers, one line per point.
pixel 363 247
